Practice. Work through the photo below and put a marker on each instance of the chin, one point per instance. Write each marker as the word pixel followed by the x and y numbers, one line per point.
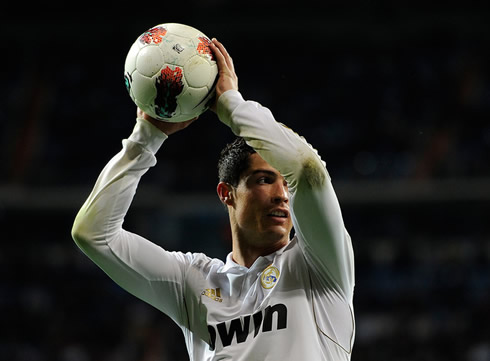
pixel 279 235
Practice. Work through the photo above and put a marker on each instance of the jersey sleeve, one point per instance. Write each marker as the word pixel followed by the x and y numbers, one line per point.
pixel 137 265
pixel 316 213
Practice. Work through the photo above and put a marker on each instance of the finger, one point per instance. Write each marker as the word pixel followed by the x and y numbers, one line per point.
pixel 227 57
pixel 220 58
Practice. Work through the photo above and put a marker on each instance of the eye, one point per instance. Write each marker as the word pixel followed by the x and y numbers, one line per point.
pixel 264 180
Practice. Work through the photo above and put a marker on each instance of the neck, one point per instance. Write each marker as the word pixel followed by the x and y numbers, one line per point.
pixel 245 254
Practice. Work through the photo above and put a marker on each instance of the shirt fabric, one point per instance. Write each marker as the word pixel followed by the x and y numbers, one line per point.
pixel 293 304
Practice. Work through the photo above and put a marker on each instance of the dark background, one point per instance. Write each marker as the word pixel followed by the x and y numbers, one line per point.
pixel 395 96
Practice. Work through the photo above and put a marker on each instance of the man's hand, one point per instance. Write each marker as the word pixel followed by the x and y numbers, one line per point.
pixel 167 127
pixel 228 79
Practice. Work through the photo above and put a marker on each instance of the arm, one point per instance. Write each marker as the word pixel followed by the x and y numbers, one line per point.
pixel 137 265
pixel 316 213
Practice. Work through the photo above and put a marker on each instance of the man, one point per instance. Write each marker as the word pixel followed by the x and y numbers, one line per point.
pixel 274 298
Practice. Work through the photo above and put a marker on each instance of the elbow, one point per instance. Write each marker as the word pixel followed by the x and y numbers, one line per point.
pixel 80 232
pixel 89 231
pixel 77 234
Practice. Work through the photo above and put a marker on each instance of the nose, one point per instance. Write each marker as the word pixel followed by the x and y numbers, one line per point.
pixel 281 194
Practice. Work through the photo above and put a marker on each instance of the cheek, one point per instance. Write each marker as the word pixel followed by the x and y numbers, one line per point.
pixel 250 207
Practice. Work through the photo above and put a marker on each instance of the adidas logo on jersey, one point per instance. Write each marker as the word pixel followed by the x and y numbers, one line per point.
pixel 212 293
pixel 241 327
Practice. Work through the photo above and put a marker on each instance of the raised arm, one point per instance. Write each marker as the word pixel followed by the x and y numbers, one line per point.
pixel 139 266
pixel 316 213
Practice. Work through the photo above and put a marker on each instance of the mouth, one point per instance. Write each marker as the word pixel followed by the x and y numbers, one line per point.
pixel 279 214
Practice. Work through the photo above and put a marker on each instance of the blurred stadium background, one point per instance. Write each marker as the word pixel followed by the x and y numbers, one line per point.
pixel 395 97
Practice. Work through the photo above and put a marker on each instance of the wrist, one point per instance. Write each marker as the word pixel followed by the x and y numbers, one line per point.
pixel 147 135
pixel 227 103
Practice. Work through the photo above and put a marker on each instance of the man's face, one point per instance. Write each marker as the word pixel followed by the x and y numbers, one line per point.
pixel 261 204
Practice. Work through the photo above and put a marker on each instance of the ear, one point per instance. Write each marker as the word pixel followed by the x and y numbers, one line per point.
pixel 225 193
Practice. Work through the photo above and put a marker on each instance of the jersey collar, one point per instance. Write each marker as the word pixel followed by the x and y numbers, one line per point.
pixel 262 262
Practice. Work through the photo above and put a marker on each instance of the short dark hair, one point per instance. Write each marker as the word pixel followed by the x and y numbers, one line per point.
pixel 233 161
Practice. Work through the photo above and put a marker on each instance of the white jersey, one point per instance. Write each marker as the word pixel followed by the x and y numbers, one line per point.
pixel 294 304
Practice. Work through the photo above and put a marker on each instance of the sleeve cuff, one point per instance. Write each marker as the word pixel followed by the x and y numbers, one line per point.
pixel 227 103
pixel 147 135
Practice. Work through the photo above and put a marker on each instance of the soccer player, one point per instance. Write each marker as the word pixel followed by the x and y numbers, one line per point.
pixel 274 298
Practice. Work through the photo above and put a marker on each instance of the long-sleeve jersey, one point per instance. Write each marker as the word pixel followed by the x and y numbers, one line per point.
pixel 293 304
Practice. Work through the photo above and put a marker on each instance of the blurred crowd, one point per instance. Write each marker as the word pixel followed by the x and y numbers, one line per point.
pixel 385 96
pixel 405 100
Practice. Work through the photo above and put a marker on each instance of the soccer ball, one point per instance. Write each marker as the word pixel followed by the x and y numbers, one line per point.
pixel 170 72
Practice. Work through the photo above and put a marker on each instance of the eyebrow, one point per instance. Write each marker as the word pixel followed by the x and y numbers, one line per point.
pixel 266 171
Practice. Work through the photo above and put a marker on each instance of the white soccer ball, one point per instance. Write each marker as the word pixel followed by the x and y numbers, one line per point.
pixel 170 72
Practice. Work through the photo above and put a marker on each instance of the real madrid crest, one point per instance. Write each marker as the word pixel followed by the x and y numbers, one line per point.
pixel 269 277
